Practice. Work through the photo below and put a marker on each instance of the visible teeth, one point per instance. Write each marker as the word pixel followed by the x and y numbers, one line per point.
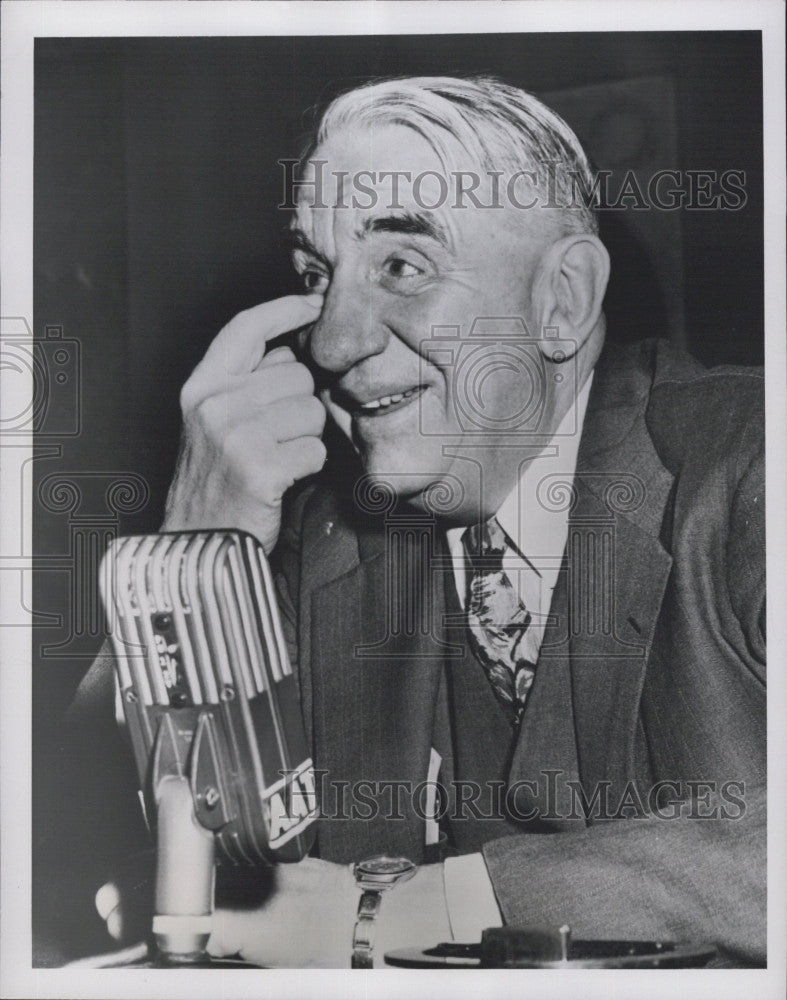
pixel 383 401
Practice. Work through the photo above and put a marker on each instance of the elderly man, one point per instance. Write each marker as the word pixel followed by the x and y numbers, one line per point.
pixel 576 662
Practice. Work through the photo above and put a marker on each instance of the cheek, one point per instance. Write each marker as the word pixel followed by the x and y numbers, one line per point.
pixel 425 324
pixel 416 320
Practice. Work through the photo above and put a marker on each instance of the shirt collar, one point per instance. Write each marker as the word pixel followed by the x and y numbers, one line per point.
pixel 537 530
pixel 538 533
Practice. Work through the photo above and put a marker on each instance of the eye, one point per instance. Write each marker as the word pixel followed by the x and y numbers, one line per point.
pixel 399 268
pixel 314 280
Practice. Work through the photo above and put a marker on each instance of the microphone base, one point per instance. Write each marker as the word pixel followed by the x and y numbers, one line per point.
pixel 205 963
pixel 202 962
pixel 198 960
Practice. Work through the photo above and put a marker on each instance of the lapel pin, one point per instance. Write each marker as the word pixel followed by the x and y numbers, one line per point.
pixel 634 624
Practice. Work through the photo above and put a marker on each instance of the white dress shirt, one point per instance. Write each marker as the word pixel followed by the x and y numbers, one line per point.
pixel 537 537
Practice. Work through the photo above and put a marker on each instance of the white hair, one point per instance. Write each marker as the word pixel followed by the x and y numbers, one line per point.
pixel 499 126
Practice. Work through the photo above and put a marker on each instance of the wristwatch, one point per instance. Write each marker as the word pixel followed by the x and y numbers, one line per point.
pixel 374 877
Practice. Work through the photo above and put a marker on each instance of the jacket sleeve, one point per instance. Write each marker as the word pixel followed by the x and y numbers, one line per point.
pixel 746 547
pixel 684 879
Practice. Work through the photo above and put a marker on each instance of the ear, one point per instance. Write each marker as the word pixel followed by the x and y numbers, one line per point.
pixel 570 287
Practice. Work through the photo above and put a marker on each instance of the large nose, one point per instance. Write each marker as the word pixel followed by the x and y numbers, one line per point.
pixel 349 328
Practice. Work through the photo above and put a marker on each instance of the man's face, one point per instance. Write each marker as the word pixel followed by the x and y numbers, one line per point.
pixel 392 272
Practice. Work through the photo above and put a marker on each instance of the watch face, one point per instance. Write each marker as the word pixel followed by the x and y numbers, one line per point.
pixel 384 866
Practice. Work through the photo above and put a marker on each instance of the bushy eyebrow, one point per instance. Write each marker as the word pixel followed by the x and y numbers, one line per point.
pixel 300 241
pixel 405 223
pixel 409 224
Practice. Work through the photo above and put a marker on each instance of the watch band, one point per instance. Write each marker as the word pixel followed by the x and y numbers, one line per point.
pixel 363 933
pixel 374 877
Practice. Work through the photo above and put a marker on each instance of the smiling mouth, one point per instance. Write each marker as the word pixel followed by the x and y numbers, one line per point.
pixel 388 404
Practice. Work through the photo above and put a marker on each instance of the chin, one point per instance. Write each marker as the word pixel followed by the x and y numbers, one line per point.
pixel 414 480
pixel 403 479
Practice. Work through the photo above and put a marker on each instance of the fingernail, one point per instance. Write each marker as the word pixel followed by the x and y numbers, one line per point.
pixel 314 300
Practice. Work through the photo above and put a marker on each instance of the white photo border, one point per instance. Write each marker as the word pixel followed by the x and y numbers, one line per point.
pixel 21 24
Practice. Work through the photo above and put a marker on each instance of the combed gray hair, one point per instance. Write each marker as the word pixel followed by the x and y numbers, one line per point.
pixel 499 126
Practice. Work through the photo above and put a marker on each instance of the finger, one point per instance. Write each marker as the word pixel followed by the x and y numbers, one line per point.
pixel 294 417
pixel 256 936
pixel 240 346
pixel 227 933
pixel 107 898
pixel 269 383
pixel 303 457
pixel 277 356
pixel 250 395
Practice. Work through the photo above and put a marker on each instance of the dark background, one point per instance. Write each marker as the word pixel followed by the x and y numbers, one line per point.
pixel 156 186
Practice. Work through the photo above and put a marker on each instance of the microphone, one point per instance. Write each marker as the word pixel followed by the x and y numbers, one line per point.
pixel 212 709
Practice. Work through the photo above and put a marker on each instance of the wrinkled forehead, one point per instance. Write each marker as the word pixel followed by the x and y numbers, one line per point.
pixel 377 170
pixel 367 169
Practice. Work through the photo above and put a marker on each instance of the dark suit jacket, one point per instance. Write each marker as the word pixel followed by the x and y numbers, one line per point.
pixel 662 680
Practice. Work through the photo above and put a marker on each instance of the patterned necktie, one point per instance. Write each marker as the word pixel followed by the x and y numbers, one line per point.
pixel 496 618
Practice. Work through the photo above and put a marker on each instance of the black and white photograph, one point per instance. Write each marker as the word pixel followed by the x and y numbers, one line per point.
pixel 393 395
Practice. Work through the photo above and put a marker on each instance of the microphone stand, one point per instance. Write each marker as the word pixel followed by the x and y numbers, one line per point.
pixel 184 889
pixel 185 855
pixel 185 877
pixel 185 866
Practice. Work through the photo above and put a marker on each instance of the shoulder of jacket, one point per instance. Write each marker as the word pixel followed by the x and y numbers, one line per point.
pixel 703 414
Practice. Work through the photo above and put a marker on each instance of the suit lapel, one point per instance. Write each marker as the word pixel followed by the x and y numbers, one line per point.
pixel 581 716
pixel 545 757
pixel 375 676
pixel 618 573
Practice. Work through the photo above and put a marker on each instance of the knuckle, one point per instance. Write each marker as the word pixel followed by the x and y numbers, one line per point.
pixel 188 396
pixel 205 414
pixel 270 484
pixel 315 451
pixel 232 325
pixel 315 410
pixel 280 355
pixel 302 379
pixel 284 381
pixel 233 449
